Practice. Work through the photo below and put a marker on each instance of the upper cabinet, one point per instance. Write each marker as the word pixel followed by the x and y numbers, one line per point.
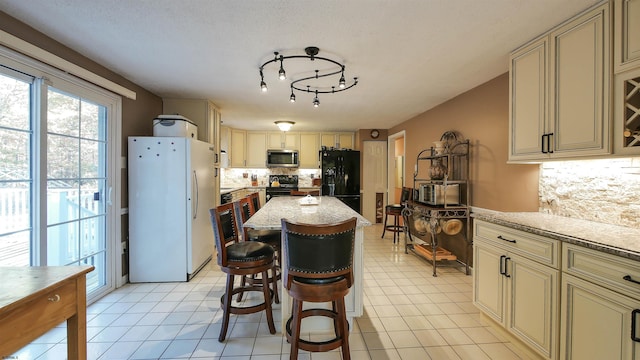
pixel 203 113
pixel 340 140
pixel 237 153
pixel 560 92
pixel 283 140
pixel 626 102
pixel 627 34
pixel 249 148
pixel 309 150
pixel 256 149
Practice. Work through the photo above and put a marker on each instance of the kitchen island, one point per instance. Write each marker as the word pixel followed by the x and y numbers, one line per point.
pixel 328 210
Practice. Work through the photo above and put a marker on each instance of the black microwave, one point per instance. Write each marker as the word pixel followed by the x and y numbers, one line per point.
pixel 282 158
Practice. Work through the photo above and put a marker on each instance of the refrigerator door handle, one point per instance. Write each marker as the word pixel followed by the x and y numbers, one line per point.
pixel 195 209
pixel 109 196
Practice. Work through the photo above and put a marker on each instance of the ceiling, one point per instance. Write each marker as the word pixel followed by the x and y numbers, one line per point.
pixel 409 55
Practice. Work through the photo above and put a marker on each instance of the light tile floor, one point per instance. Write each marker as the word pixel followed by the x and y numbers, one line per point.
pixel 408 314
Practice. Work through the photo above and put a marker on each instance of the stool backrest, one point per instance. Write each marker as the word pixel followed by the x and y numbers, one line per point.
pixel 406 195
pixel 318 251
pixel 223 220
pixel 243 209
pixel 254 202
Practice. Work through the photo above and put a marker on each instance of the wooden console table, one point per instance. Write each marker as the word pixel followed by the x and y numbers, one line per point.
pixel 33 300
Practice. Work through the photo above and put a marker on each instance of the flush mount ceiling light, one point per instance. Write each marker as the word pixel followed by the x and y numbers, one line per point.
pixel 284 125
pixel 305 84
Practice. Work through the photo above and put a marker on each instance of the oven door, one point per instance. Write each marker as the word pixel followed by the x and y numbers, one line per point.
pixel 272 192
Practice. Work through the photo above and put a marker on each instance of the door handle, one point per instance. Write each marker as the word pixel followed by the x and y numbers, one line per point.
pixel 634 316
pixel 549 150
pixel 630 279
pixel 505 266
pixel 542 143
pixel 505 239
pixel 195 180
pixel 502 264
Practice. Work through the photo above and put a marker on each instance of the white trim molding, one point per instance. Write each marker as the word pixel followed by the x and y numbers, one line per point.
pixel 46 57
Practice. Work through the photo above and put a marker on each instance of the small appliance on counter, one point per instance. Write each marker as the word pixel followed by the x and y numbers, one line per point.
pixel 438 194
pixel 174 125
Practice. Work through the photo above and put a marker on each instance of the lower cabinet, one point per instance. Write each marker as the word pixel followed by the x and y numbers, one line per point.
pixel 518 293
pixel 600 306
pixel 563 300
pixel 597 322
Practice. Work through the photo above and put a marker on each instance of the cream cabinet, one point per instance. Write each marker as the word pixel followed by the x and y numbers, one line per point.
pixel 567 73
pixel 600 306
pixel 309 150
pixel 626 113
pixel 238 142
pixel 516 283
pixel 528 105
pixel 256 149
pixel 283 140
pixel 340 140
pixel 626 34
pixel 203 113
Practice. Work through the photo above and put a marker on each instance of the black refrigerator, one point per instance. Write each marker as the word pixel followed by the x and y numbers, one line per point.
pixel 341 176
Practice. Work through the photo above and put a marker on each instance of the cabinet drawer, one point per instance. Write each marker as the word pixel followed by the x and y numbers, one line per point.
pixel 534 247
pixel 603 269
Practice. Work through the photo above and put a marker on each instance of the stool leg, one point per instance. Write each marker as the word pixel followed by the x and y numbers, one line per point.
pixel 267 301
pixel 275 283
pixel 226 308
pixel 396 225
pixel 384 226
pixel 295 331
pixel 344 332
pixel 243 283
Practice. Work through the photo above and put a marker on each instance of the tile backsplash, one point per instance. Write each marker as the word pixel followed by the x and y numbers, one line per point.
pixel 232 178
pixel 603 190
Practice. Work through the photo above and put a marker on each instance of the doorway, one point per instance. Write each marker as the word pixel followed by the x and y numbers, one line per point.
pixel 396 169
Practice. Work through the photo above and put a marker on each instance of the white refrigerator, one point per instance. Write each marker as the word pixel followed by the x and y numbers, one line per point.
pixel 171 189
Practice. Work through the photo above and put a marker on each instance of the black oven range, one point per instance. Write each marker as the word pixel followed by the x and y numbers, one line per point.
pixel 281 185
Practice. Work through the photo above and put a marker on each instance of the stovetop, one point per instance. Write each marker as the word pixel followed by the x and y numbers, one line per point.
pixel 286 181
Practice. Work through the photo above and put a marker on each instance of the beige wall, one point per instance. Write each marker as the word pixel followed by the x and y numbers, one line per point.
pixel 481 115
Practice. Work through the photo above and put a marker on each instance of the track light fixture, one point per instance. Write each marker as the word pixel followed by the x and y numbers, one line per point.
pixel 311 54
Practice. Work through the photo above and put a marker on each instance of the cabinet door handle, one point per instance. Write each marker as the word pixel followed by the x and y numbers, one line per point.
pixel 634 314
pixel 630 279
pixel 505 239
pixel 505 266
pixel 502 263
pixel 542 144
pixel 549 150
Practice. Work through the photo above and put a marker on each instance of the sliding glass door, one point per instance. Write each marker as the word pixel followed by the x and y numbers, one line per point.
pixel 57 167
pixel 76 184
pixel 16 171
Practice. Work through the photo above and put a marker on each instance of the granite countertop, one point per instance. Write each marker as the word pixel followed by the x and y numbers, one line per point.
pixel 618 240
pixel 329 210
pixel 226 190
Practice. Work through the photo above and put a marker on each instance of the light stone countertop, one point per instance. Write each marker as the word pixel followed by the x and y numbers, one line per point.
pixel 328 211
pixel 617 240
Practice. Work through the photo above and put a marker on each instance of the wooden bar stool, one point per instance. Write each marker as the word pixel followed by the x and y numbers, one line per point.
pixel 395 210
pixel 245 208
pixel 240 258
pixel 318 268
